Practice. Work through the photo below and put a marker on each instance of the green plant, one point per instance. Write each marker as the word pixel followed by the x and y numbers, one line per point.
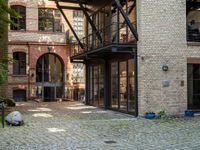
pixel 162 114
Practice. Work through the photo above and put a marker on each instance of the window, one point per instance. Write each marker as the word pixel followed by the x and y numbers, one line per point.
pixel 19 65
pixel 78 73
pixel 21 22
pixel 97 85
pixel 78 23
pixel 49 20
pixel 193 21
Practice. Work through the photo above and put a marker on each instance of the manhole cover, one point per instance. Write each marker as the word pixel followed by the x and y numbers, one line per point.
pixel 110 142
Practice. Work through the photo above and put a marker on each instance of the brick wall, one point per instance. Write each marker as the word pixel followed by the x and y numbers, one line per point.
pixel 35 44
pixel 162 41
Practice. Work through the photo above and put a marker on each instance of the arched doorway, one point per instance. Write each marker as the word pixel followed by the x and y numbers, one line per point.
pixel 49 77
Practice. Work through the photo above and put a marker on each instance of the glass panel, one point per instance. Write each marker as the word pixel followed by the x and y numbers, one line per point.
pixel 96 85
pixel 46 68
pixel 123 85
pixel 49 93
pixel 39 91
pixel 131 85
pixel 91 85
pixel 101 86
pixel 19 66
pixel 49 69
pixel 59 92
pixel 21 22
pixel 193 86
pixel 114 85
pixel 49 20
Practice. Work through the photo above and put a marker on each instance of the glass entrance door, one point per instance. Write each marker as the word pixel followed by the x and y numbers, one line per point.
pixel 122 86
pixel 194 86
pixel 49 77
pixel 49 93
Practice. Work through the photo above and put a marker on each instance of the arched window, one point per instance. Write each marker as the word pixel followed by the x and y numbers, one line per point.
pixel 21 22
pixel 19 64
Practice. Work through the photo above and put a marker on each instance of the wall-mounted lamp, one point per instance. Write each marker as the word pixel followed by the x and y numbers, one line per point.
pixel 32 75
pixel 50 48
pixel 165 68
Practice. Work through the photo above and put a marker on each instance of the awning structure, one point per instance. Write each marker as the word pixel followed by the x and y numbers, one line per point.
pixel 87 7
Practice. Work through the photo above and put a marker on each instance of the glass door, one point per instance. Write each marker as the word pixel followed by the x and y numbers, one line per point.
pixel 114 85
pixel 123 85
pixel 194 86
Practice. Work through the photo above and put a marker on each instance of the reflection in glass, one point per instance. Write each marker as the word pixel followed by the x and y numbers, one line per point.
pixel 101 86
pixel 91 85
pixel 123 85
pixel 96 91
pixel 114 85
pixel 131 85
pixel 49 77
pixel 96 84
pixel 49 69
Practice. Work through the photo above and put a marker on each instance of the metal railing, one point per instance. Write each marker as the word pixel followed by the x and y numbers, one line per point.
pixel 193 31
pixel 114 33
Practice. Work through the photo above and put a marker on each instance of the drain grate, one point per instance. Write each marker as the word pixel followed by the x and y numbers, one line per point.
pixel 110 142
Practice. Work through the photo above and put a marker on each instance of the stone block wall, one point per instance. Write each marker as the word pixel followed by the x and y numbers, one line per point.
pixel 162 41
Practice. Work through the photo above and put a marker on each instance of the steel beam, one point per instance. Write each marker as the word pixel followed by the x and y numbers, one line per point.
pixel 132 28
pixel 70 26
pixel 71 1
pixel 90 21
pixel 123 24
pixel 70 7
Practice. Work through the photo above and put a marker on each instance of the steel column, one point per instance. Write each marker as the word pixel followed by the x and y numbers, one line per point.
pixel 87 82
pixel 136 80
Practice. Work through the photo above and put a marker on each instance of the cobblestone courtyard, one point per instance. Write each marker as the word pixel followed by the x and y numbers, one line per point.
pixel 74 126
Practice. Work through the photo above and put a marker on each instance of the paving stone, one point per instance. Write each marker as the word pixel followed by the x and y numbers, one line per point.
pixel 74 126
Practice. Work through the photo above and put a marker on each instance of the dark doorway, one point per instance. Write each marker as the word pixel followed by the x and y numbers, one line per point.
pixel 19 95
pixel 194 86
pixel 49 77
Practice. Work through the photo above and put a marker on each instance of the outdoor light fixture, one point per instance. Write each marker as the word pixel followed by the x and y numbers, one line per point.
pixel 32 75
pixel 165 68
pixel 50 48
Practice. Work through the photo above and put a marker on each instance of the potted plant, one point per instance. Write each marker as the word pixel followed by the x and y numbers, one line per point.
pixel 189 113
pixel 150 115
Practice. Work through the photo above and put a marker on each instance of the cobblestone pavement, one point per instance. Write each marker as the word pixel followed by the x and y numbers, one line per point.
pixel 74 126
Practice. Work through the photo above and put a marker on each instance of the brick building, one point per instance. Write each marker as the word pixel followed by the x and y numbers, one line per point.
pixel 40 46
pixel 141 56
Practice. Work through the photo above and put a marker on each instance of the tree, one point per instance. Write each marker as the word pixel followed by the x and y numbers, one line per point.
pixel 4 21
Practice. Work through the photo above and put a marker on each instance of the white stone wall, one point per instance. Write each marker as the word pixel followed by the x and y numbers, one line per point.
pixel 162 41
pixel 37 37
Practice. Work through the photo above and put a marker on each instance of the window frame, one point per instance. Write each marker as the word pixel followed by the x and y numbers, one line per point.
pixel 52 16
pixel 19 64
pixel 21 10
